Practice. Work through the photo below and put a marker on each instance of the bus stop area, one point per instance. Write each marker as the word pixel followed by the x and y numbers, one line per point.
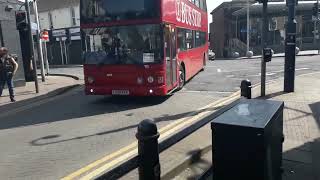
pixel 192 157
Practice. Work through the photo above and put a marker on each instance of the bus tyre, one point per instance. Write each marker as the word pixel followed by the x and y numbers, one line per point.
pixel 182 77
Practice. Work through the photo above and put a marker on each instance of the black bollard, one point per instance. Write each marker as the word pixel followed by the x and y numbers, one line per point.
pixel 246 89
pixel 148 149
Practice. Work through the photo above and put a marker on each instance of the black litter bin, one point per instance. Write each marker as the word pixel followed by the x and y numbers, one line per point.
pixel 247 141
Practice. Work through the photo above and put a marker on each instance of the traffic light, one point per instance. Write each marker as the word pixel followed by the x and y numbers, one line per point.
pixel 315 10
pixel 21 21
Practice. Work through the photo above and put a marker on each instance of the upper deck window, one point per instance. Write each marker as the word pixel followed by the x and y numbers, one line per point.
pixel 94 11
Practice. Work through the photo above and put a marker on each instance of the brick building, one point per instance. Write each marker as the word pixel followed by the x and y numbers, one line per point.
pixel 222 26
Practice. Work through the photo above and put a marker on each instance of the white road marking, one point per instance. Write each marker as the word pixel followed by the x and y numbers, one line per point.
pixel 211 92
pixel 300 69
pixel 280 71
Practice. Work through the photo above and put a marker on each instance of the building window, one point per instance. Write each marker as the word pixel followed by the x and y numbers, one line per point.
pixel 50 20
pixel 1 36
pixel 73 16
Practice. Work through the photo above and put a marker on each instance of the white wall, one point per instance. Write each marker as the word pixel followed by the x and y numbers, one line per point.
pixel 61 18
pixel 77 9
pixel 44 20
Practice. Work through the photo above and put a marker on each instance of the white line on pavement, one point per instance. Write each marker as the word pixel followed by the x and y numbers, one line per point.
pixel 211 92
pixel 275 72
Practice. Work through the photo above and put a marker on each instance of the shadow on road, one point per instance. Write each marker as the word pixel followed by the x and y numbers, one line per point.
pixel 44 140
pixel 315 108
pixel 302 162
pixel 77 105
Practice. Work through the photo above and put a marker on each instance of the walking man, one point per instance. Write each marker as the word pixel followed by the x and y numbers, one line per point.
pixel 8 68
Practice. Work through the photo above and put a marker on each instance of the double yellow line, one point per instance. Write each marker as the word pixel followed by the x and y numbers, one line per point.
pixel 96 168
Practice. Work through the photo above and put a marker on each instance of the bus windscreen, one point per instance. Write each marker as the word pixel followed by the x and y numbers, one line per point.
pixel 134 44
pixel 98 11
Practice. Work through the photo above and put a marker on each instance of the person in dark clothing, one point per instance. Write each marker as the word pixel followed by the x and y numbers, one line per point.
pixel 8 68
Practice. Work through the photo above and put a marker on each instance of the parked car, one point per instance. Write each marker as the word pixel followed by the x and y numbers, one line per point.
pixel 212 55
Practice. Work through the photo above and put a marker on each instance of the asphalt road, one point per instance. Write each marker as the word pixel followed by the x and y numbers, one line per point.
pixel 55 139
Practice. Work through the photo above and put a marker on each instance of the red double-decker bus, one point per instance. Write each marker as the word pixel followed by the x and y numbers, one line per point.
pixel 142 47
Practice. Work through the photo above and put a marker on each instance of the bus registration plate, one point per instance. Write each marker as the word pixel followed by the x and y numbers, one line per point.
pixel 120 92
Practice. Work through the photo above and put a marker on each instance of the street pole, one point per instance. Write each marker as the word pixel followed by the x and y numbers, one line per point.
pixel 32 47
pixel 318 19
pixel 61 51
pixel 264 45
pixel 315 32
pixel 39 41
pixel 46 58
pixel 248 26
pixel 65 52
pixel 290 59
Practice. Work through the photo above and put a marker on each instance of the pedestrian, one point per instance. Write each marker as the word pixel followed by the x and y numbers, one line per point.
pixel 8 68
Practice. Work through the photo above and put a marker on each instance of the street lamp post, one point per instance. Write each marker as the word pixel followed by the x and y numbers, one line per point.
pixel 318 19
pixel 264 45
pixel 39 41
pixel 248 26
pixel 290 59
pixel 34 64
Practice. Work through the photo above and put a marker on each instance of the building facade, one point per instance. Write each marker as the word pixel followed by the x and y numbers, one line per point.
pixel 9 35
pixel 61 16
pixel 222 26
pixel 229 29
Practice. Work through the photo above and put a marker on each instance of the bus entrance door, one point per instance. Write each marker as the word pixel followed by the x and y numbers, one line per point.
pixel 170 56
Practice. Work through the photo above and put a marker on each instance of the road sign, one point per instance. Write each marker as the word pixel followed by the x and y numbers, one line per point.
pixel 45 36
pixel 59 33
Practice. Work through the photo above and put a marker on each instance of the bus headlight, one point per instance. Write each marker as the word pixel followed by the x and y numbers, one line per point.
pixel 90 80
pixel 150 79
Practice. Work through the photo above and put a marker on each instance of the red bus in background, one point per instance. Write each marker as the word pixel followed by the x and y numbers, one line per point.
pixel 142 47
